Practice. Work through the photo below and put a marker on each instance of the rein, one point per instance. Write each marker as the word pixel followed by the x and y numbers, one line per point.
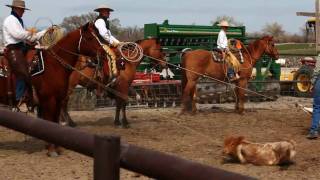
pixel 69 67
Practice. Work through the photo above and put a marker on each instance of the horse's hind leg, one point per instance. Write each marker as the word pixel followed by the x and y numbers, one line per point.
pixel 187 97
pixel 194 96
pixel 241 95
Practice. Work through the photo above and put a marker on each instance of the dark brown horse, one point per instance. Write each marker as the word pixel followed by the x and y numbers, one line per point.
pixel 150 47
pixel 52 85
pixel 200 62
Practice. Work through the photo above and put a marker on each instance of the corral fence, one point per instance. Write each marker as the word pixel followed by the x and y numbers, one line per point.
pixel 110 154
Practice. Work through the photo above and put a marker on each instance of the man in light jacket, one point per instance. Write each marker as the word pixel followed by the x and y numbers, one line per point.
pixel 15 37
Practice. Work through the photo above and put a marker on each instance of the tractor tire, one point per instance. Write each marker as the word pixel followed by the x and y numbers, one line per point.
pixel 302 85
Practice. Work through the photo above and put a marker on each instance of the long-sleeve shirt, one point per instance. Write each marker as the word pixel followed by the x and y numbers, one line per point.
pixel 14 32
pixel 104 32
pixel 222 41
pixel 316 71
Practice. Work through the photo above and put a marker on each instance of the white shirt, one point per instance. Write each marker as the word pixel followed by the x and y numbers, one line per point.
pixel 13 32
pixel 104 32
pixel 222 41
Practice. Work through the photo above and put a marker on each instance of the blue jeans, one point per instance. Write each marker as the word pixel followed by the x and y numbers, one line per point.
pixel 230 72
pixel 316 107
pixel 20 88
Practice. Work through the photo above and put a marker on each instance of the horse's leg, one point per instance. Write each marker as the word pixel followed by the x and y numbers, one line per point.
pixel 74 80
pixel 187 95
pixel 125 123
pixel 241 95
pixel 49 112
pixel 118 108
pixel 194 96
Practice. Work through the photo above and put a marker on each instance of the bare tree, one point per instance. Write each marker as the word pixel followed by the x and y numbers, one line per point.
pixel 230 19
pixel 274 29
pixel 124 34
pixel 73 22
pixel 131 34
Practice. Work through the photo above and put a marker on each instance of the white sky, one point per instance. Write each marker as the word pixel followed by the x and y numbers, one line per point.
pixel 253 13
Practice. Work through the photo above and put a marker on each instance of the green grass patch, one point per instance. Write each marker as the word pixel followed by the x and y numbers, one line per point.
pixel 307 49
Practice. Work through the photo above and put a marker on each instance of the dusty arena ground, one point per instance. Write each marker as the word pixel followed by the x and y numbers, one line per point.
pixel 198 138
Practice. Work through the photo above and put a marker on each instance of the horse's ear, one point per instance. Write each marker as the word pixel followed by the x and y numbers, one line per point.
pixel 86 26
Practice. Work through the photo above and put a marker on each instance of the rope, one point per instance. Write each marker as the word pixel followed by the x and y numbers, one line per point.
pixel 51 38
pixel 68 66
pixel 212 78
pixel 134 52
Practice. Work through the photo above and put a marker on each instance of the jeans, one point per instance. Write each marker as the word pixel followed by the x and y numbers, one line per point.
pixel 20 88
pixel 230 72
pixel 316 107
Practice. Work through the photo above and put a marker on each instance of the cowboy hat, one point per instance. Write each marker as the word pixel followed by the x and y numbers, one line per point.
pixel 224 23
pixel 18 4
pixel 103 6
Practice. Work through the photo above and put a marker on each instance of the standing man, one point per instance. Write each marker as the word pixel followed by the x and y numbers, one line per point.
pixel 15 37
pixel 102 24
pixel 315 81
pixel 222 45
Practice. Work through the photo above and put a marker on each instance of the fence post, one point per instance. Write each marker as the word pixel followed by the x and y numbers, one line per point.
pixel 106 157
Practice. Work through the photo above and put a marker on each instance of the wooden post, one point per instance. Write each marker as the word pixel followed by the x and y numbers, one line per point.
pixel 106 157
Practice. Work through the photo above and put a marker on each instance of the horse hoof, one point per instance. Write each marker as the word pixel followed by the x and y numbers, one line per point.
pixel 117 123
pixel 52 154
pixel 73 124
pixel 125 126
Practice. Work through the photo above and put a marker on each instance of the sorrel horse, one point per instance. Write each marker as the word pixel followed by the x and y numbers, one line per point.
pixel 201 62
pixel 151 47
pixel 52 85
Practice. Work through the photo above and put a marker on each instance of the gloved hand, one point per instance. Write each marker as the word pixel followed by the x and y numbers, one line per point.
pixel 32 30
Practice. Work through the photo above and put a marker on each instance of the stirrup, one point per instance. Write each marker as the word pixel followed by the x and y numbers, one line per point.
pixel 112 81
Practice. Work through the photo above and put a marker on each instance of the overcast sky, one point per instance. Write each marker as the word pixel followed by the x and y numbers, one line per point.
pixel 253 13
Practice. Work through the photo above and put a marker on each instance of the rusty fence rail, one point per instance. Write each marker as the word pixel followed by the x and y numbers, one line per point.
pixel 109 154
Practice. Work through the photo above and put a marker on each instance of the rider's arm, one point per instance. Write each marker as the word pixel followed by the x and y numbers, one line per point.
pixel 105 33
pixel 15 29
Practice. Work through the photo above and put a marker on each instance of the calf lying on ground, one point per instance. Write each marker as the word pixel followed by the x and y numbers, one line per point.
pixel 259 154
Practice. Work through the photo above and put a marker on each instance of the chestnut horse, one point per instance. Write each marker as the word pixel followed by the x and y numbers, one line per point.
pixel 201 62
pixel 151 47
pixel 52 85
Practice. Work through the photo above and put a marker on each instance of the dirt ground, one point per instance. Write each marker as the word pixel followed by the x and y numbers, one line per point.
pixel 197 138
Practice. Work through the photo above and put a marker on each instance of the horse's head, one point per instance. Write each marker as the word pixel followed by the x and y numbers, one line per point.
pixel 152 48
pixel 89 42
pixel 271 49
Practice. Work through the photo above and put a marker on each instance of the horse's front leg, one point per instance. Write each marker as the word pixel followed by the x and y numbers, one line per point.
pixel 50 111
pixel 242 83
pixel 125 123
pixel 117 115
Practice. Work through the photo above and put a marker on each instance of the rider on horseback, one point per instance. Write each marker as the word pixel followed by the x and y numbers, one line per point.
pixel 15 38
pixel 222 44
pixel 102 24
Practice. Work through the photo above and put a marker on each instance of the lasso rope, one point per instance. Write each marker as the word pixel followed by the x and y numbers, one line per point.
pixel 209 77
pixel 51 38
pixel 131 51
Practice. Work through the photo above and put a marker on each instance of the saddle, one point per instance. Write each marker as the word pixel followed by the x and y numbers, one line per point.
pixel 235 48
pixel 35 61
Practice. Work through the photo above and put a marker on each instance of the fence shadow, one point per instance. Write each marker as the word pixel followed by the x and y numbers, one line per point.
pixel 29 145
